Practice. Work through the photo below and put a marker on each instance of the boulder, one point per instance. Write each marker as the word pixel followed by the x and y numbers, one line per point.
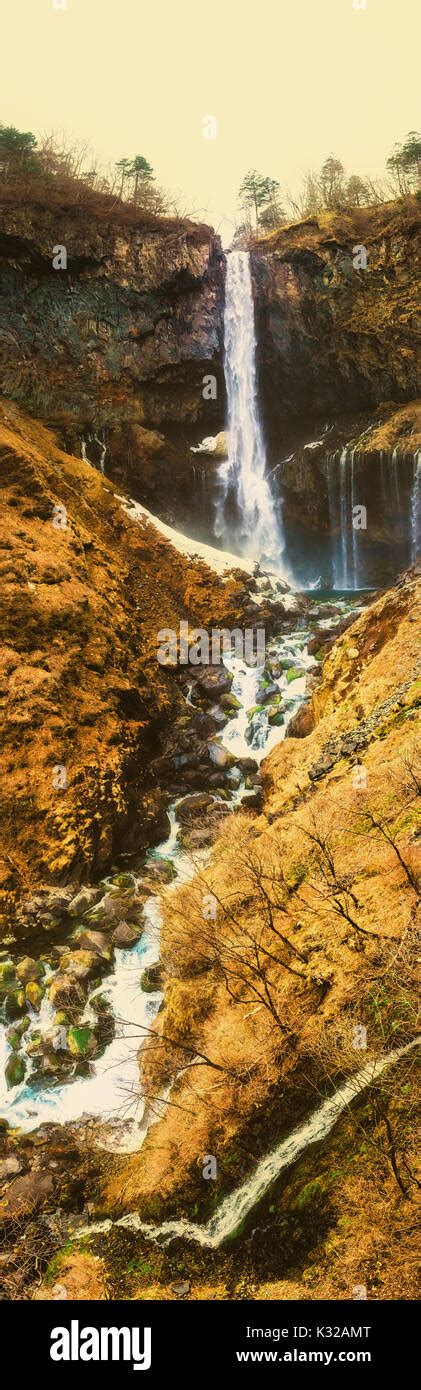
pixel 301 723
pixel 266 693
pixel 94 942
pixel 84 900
pixel 14 1070
pixel 10 1167
pixel 15 1033
pixel 218 715
pixel 194 805
pixel 157 871
pixel 29 969
pixel 214 680
pixel 229 701
pixel 66 992
pixel 82 964
pixel 247 765
pixel 125 935
pixel 125 880
pixel 81 1041
pixel 294 673
pixel 25 1195
pixel 220 756
pixel 15 1004
pixel 152 978
pixel 34 995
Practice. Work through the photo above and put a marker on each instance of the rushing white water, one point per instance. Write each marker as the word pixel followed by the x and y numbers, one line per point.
pixel 344 516
pixel 246 518
pixel 110 1090
pixel 416 509
pixel 229 1216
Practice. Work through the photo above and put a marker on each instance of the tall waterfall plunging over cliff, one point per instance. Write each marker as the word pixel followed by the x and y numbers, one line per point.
pixel 246 517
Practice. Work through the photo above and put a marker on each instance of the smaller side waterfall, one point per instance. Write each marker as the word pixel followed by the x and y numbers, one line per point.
pixel 233 1210
pixel 344 516
pixel 342 498
pixel 383 499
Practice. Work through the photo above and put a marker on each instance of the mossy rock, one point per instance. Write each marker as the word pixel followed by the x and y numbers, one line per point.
pixel 123 881
pixel 294 674
pixel 7 972
pixel 15 1033
pixel 18 1029
pixel 14 1070
pixel 254 709
pixel 229 701
pixel 168 868
pixel 81 1041
pixel 152 978
pixel 29 969
pixel 34 994
pixel 15 1004
pixel 276 718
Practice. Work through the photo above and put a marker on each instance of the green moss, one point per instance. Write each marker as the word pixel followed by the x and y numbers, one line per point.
pixel 80 1041
pixel 308 1193
pixel 254 709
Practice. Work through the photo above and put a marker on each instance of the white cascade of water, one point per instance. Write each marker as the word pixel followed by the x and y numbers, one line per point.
pixel 396 494
pixel 110 1090
pixel 416 509
pixel 342 498
pixel 343 510
pixel 331 494
pixel 355 557
pixel 229 1216
pixel 246 518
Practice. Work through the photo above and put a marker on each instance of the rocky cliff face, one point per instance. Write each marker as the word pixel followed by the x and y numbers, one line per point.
pixel 85 590
pixel 337 316
pixel 113 350
pixel 334 337
pixel 121 338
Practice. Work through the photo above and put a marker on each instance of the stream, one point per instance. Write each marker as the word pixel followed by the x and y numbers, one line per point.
pixel 230 1215
pixel 109 1089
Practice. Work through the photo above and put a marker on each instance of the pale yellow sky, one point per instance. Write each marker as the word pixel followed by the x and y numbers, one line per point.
pixel 289 82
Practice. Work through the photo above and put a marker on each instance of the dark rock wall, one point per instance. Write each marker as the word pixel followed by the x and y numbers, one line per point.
pixel 332 337
pixel 123 336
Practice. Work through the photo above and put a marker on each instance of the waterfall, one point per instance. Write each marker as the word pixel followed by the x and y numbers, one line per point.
pixel 354 529
pixel 228 1217
pixel 342 500
pixel 344 517
pixel 416 509
pixel 246 520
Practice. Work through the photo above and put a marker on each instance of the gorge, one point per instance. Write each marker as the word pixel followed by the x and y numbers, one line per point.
pixel 208 874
